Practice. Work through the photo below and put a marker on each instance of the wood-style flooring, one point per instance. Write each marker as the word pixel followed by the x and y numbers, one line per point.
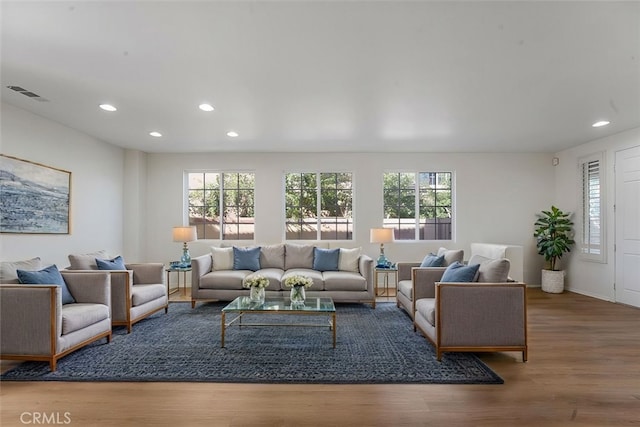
pixel 583 370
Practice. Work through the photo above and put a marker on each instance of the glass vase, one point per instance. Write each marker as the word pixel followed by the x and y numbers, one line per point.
pixel 256 294
pixel 297 294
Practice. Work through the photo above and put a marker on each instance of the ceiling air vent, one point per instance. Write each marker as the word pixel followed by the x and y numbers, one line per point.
pixel 28 93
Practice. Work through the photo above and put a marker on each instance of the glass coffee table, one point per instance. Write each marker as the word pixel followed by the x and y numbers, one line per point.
pixel 311 307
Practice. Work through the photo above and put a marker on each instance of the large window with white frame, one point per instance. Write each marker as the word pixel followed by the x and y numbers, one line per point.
pixel 591 223
pixel 419 205
pixel 221 204
pixel 319 206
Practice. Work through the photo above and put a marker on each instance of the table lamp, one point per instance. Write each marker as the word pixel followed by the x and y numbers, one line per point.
pixel 185 234
pixel 382 236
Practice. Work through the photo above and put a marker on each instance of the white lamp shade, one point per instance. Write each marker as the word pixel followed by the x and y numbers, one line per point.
pixel 381 235
pixel 185 234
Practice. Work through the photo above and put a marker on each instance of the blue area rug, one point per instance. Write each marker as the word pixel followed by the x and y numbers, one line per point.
pixel 374 346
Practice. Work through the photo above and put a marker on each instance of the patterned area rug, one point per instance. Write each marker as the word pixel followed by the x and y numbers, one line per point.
pixel 374 346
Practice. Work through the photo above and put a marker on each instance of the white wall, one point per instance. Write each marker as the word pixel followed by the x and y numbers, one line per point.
pixel 497 196
pixel 96 187
pixel 585 277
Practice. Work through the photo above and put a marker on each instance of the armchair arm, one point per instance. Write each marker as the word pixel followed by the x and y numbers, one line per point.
pixel 365 265
pixel 424 281
pixel 30 319
pixel 404 269
pixel 92 287
pixel 147 273
pixel 481 314
pixel 199 267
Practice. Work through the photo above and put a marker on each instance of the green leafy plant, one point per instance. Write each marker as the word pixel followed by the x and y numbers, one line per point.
pixel 553 231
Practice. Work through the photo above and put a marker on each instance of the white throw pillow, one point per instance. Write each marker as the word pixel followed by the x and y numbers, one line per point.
pixel 348 260
pixel 8 269
pixel 222 258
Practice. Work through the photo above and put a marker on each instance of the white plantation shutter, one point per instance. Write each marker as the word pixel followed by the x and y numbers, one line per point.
pixel 592 242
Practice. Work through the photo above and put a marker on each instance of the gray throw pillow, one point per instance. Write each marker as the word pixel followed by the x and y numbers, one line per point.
pixel 86 261
pixel 298 256
pixel 8 273
pixel 491 270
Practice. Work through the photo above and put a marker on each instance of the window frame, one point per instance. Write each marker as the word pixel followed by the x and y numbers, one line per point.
pixel 319 189
pixel 222 224
pixel 417 207
pixel 589 251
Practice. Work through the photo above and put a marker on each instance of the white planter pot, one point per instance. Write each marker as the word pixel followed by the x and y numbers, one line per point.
pixel 553 281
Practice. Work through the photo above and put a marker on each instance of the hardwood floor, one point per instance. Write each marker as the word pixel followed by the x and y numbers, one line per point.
pixel 583 369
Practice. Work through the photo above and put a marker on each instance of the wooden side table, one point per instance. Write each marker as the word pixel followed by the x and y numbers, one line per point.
pixel 178 270
pixel 385 272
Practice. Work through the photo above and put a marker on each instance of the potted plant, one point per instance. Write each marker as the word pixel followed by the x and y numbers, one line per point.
pixel 553 232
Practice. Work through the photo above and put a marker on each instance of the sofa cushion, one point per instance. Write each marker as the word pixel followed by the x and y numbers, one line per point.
pixel 246 258
pixel 273 275
pixel 451 255
pixel 142 294
pixel 348 260
pixel 116 263
pixel 86 261
pixel 48 276
pixel 405 287
pixel 8 273
pixel 491 270
pixel 326 259
pixel 79 316
pixel 426 307
pixel 298 256
pixel 432 260
pixel 272 256
pixel 458 272
pixel 222 258
pixel 224 279
pixel 343 281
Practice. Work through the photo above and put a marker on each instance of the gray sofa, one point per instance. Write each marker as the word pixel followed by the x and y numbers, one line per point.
pixel 215 278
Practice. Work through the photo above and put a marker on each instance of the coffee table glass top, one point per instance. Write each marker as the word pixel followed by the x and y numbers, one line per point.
pixel 311 304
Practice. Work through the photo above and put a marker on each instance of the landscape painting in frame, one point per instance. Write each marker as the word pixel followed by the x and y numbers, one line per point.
pixel 35 198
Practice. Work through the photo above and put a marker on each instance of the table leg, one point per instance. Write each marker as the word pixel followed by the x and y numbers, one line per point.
pixel 222 326
pixel 334 329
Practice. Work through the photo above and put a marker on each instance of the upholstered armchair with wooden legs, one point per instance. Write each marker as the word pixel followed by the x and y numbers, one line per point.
pixel 421 280
pixel 136 293
pixel 35 325
pixel 475 317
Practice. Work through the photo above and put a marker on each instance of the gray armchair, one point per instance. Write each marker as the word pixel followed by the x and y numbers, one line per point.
pixel 136 293
pixel 416 282
pixel 35 325
pixel 475 317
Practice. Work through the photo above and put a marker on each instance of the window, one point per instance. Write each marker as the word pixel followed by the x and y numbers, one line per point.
pixel 318 206
pixel 592 218
pixel 418 206
pixel 231 193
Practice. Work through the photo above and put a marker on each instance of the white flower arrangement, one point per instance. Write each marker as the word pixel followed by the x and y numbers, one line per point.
pixel 298 280
pixel 257 281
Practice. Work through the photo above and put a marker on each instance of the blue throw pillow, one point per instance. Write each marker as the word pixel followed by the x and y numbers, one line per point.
pixel 48 276
pixel 326 259
pixel 432 260
pixel 246 258
pixel 111 264
pixel 457 272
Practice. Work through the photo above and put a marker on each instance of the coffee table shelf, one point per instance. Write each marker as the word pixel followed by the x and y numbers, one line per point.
pixel 311 307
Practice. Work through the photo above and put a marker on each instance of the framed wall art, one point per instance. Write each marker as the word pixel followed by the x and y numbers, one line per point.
pixel 35 198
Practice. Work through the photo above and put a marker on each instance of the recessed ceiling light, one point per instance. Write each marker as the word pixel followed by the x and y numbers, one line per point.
pixel 108 107
pixel 206 107
pixel 232 134
pixel 600 123
pixel 155 134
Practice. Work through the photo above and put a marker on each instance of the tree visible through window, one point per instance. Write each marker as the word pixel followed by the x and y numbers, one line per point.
pixel 318 206
pixel 418 206
pixel 229 193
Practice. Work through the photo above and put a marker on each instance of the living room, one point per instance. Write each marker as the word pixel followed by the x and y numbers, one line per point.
pixel 126 199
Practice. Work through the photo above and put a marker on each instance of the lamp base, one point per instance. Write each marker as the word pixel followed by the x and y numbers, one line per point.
pixel 382 261
pixel 185 259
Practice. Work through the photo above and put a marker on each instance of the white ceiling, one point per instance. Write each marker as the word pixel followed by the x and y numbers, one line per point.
pixel 443 76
